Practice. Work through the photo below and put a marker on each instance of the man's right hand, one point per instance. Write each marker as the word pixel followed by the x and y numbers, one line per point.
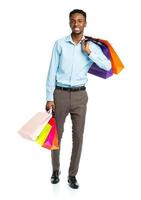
pixel 50 105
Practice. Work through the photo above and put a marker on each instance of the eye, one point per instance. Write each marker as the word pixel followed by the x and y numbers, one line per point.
pixel 80 21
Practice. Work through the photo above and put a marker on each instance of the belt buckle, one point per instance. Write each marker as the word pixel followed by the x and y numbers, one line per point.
pixel 73 89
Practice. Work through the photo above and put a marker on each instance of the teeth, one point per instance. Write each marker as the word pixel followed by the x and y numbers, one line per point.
pixel 76 29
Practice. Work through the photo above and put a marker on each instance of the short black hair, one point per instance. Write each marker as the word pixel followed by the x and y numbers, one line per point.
pixel 77 11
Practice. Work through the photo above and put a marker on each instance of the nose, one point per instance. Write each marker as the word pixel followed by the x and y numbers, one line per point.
pixel 75 23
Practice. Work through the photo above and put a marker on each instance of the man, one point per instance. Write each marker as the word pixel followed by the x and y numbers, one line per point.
pixel 71 59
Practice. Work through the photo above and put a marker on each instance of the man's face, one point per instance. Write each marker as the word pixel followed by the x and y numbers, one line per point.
pixel 77 23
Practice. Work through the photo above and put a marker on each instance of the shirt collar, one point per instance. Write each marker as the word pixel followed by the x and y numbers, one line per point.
pixel 69 39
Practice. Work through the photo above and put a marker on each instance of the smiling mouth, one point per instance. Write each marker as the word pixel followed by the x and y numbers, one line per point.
pixel 76 29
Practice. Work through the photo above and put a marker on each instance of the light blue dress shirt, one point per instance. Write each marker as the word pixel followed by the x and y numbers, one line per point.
pixel 69 64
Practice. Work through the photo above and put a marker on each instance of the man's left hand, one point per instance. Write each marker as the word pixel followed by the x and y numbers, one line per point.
pixel 85 47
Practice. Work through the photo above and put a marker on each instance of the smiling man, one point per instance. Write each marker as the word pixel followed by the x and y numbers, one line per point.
pixel 66 91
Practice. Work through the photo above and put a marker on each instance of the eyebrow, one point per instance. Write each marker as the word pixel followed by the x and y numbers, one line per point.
pixel 77 19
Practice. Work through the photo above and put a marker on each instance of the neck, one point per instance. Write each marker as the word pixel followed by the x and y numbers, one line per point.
pixel 76 37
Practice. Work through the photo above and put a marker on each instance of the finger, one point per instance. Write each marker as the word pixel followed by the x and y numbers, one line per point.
pixel 87 44
pixel 83 46
pixel 53 113
pixel 53 107
pixel 83 42
pixel 47 109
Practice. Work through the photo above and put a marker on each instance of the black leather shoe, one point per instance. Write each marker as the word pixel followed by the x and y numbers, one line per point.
pixel 55 177
pixel 73 182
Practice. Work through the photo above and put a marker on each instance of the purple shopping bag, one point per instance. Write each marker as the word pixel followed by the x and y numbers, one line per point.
pixel 95 69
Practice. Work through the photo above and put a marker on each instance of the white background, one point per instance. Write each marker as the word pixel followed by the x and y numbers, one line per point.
pixel 111 158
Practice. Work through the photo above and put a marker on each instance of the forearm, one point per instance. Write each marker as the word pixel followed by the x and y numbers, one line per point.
pixel 51 81
pixel 100 60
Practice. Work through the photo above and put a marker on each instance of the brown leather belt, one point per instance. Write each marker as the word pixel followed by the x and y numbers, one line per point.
pixel 72 89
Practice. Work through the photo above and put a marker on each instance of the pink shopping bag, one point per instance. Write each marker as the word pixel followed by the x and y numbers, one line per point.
pixel 34 126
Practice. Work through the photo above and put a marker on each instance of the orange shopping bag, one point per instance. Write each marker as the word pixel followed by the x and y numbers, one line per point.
pixel 117 65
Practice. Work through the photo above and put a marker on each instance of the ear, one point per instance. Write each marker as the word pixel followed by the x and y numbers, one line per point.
pixel 85 24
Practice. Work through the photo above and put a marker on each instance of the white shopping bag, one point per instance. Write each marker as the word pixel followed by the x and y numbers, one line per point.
pixel 34 126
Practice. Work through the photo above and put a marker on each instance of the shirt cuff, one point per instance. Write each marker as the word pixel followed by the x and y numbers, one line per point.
pixel 92 55
pixel 106 65
pixel 49 97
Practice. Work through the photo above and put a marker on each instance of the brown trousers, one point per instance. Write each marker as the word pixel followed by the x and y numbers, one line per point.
pixel 75 103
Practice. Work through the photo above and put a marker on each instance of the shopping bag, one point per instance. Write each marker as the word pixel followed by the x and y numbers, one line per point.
pixel 95 69
pixel 52 139
pixel 116 63
pixel 48 137
pixel 42 129
pixel 34 126
pixel 49 140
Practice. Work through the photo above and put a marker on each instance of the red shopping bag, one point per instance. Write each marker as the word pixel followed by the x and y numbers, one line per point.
pixel 48 137
pixel 52 140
